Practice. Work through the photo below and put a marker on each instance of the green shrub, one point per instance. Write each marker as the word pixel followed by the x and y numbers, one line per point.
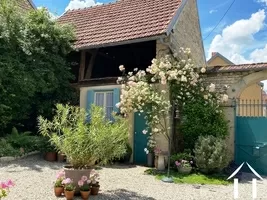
pixel 200 119
pixel 6 149
pixel 24 140
pixel 85 143
pixel 211 154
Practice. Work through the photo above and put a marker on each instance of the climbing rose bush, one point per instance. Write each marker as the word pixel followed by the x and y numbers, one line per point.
pixel 4 188
pixel 167 79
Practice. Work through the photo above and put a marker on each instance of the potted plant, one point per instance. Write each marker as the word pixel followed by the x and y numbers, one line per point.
pixel 69 188
pixel 60 157
pixel 184 166
pixel 84 185
pixel 58 186
pixel 48 150
pixel 94 177
pixel 4 188
pixel 83 143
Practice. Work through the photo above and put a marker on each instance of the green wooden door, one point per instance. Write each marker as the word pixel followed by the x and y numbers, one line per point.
pixel 140 140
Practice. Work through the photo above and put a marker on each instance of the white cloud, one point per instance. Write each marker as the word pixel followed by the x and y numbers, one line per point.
pixel 76 4
pixel 213 11
pixel 259 55
pixel 262 1
pixel 238 37
pixel 218 29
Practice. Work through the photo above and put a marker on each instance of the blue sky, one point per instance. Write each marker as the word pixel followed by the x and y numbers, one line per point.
pixel 241 36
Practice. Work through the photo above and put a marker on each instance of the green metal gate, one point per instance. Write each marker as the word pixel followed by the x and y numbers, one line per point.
pixel 251 134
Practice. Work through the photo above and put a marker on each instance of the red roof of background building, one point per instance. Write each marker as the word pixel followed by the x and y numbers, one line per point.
pixel 237 68
pixel 121 21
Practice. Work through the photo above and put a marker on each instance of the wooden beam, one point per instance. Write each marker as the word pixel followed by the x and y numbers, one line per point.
pixel 91 64
pixel 82 66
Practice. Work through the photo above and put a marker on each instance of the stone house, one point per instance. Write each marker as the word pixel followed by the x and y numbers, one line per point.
pixel 26 5
pixel 129 33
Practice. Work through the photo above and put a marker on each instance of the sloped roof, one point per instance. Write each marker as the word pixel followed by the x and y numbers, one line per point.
pixel 217 54
pixel 123 20
pixel 238 68
pixel 26 4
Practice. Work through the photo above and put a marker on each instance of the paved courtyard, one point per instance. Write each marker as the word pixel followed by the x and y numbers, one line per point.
pixel 34 179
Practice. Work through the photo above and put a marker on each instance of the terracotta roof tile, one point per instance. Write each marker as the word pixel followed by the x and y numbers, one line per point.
pixel 238 68
pixel 121 21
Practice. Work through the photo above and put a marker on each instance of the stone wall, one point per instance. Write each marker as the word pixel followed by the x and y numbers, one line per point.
pixel 187 33
pixel 237 82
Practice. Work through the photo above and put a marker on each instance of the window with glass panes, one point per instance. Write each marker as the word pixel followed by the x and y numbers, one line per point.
pixel 105 100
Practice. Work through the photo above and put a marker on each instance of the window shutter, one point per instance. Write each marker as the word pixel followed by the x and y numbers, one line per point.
pixel 116 99
pixel 89 102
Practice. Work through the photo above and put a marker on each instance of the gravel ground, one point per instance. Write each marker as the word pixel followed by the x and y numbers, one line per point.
pixel 34 181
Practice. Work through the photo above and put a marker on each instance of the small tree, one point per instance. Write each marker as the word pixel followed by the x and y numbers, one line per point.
pixel 34 73
pixel 176 83
pixel 85 143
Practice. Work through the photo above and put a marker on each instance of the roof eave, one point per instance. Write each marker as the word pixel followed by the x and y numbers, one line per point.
pixel 222 57
pixel 145 39
pixel 32 4
pixel 175 17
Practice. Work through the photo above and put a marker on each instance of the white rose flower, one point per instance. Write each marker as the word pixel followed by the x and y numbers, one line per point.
pixel 183 79
pixel 121 67
pixel 144 132
pixel 225 98
pixel 203 70
pixel 212 88
pixel 206 96
pixel 118 105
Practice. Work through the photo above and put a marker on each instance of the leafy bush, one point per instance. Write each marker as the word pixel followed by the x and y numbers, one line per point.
pixel 85 143
pixel 24 140
pixel 201 119
pixel 211 154
pixel 7 149
pixel 34 71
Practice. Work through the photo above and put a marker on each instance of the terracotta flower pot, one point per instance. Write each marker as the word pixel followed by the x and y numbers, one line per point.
pixel 60 157
pixel 95 190
pixel 50 156
pixel 58 191
pixel 69 194
pixel 75 175
pixel 85 194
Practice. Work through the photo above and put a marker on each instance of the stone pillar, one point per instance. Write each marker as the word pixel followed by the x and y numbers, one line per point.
pixel 229 111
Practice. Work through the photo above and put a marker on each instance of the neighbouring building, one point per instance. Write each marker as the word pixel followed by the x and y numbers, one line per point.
pixel 250 101
pixel 129 33
pixel 26 5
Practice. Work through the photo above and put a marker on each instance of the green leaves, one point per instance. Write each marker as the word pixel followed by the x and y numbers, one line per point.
pixel 211 154
pixel 34 73
pixel 200 119
pixel 83 143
